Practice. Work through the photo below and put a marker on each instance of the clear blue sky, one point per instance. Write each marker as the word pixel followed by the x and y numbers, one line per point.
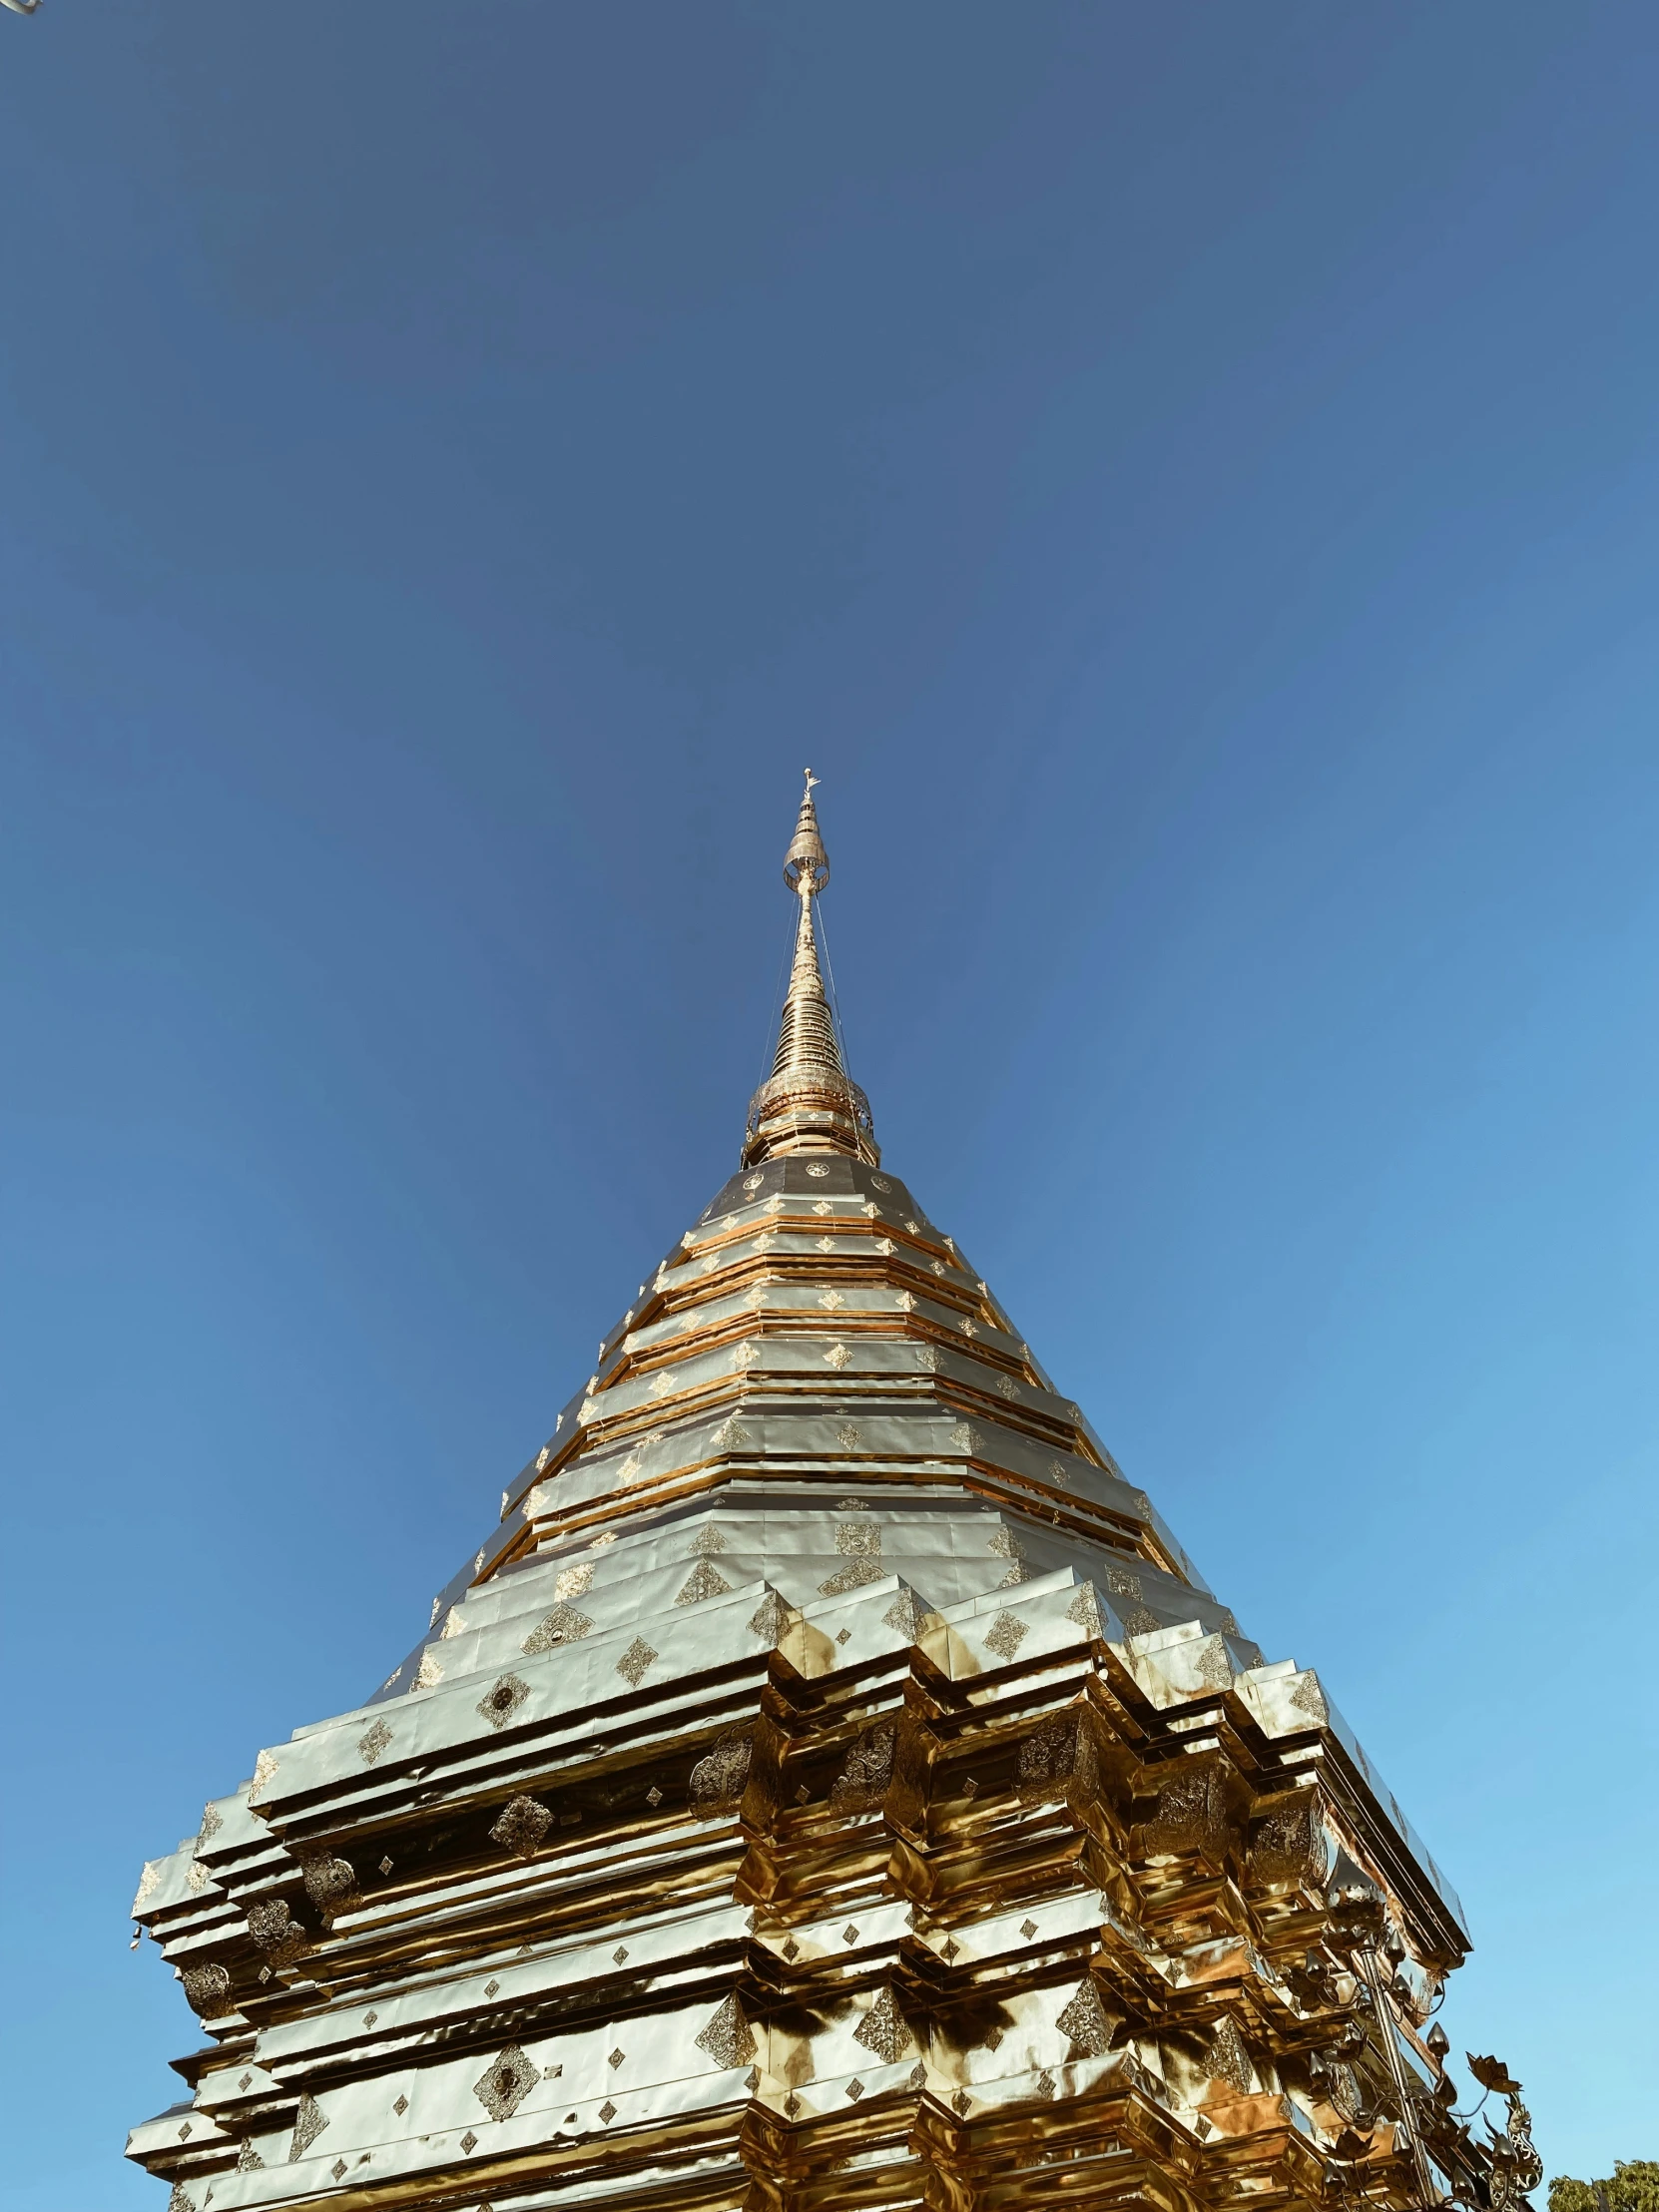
pixel 1186 478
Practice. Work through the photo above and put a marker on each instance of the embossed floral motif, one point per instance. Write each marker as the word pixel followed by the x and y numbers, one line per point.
pixel 1289 1845
pixel 883 2031
pixel 1085 1610
pixel 453 1625
pixel 607 2111
pixel 504 2085
pixel 849 1436
pixel 707 1542
pixel 833 1302
pixel 818 1168
pixel 730 1436
pixel 249 2160
pixel 1004 1544
pixel 636 1661
pixel 1226 2058
pixel 1005 1636
pixel 1309 1698
pixel 1057 1761
pixel 520 1826
pixel 705 1581
pixel 771 1618
pixel 207 1990
pixel 859 1543
pixel 1007 1388
pixel 373 1743
pixel 428 1674
pixel 1191 1811
pixel 308 2122
pixel 571 1583
pixel 866 1771
pixel 265 1768
pixel 469 2143
pixel 1083 2018
pixel 905 1614
pixel 718 1778
pixel 745 1353
pixel 498 1705
pixel 728 2038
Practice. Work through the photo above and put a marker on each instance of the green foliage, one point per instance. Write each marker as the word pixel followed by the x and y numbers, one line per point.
pixel 1634 2187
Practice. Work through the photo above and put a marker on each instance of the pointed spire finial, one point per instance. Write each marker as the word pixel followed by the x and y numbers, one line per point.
pixel 806 857
pixel 809 1103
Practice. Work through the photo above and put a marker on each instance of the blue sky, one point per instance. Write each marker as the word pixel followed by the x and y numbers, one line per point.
pixel 1186 479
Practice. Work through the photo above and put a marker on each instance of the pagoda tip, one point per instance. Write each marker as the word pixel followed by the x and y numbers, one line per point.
pixel 806 864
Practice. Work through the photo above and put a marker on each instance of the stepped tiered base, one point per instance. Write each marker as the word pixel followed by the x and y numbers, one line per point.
pixel 830 1785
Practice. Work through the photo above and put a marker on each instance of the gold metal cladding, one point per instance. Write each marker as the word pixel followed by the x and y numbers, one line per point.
pixel 808 1103
pixel 828 1765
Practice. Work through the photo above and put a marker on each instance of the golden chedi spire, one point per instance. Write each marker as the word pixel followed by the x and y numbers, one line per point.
pixel 808 1103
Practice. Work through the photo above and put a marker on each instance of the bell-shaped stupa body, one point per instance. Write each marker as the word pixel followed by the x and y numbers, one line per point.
pixel 830 1782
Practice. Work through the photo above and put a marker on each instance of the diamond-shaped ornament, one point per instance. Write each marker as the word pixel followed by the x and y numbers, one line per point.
pixel 505 2083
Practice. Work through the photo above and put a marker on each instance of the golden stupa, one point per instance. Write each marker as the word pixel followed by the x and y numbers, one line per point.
pixel 830 1784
